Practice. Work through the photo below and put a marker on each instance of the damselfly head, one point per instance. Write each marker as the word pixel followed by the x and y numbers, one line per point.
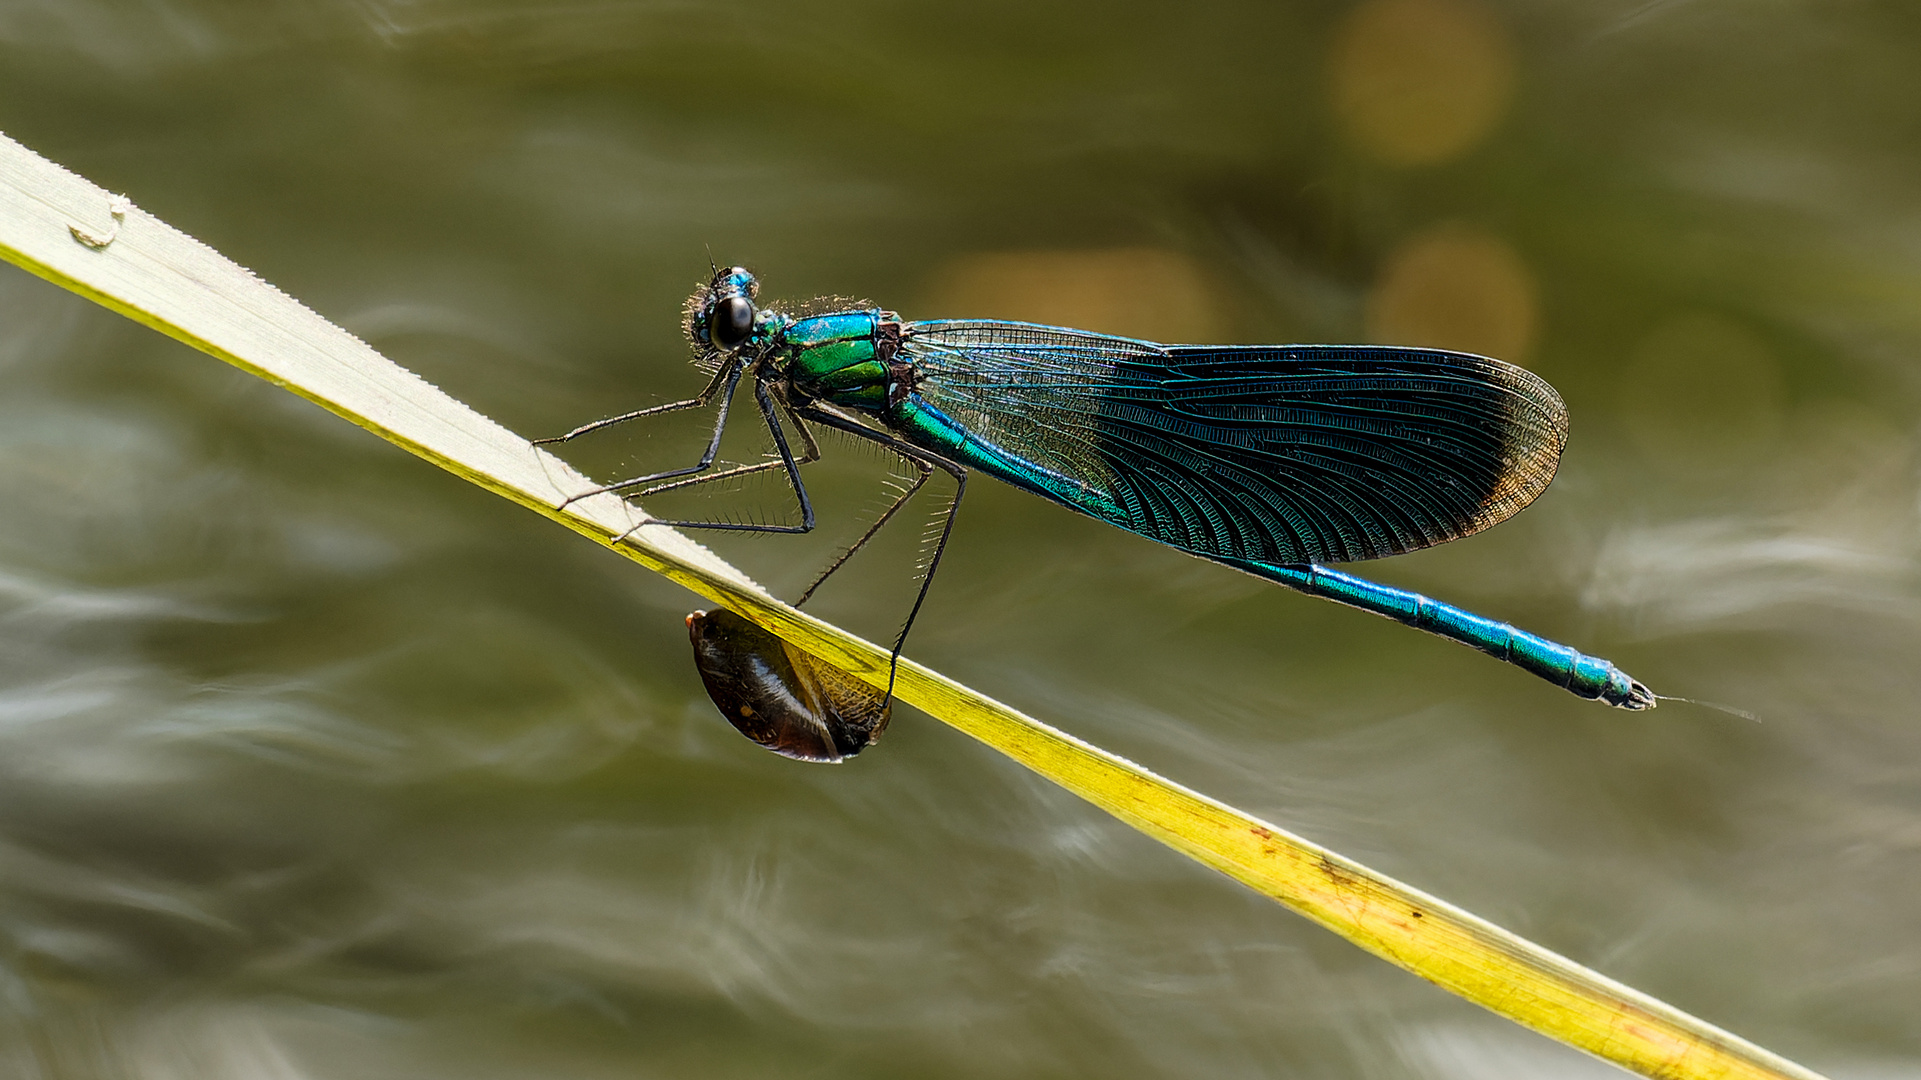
pixel 720 315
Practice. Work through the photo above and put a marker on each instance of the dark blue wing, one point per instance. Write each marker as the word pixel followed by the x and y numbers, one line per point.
pixel 1284 453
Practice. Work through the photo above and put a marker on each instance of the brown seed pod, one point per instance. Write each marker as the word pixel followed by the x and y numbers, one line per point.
pixel 783 698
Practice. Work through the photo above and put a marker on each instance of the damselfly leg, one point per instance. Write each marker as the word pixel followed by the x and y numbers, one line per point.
pixel 724 382
pixel 922 471
pixel 771 406
pixel 927 462
pixel 787 461
pixel 726 376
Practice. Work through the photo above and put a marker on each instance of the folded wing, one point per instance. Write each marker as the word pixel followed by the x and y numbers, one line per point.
pixel 1284 454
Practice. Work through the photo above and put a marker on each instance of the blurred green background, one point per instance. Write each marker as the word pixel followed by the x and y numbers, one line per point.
pixel 317 762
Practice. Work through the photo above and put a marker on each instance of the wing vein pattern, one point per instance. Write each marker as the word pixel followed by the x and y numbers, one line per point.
pixel 1280 454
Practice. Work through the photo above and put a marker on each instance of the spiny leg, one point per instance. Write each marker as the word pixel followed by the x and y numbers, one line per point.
pixel 925 470
pixel 809 454
pixel 925 458
pixel 721 376
pixel 724 474
pixel 730 376
pixel 787 459
pixel 927 580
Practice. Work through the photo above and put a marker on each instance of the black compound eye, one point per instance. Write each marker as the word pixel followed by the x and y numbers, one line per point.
pixel 731 322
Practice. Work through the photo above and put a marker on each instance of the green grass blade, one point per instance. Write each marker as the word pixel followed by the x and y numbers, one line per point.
pixel 69 231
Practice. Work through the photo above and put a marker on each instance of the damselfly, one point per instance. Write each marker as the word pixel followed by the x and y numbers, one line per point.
pixel 1271 459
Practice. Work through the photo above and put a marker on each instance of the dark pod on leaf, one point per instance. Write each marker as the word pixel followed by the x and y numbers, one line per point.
pixel 780 696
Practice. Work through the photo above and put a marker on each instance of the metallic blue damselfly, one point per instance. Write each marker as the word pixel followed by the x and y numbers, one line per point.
pixel 1271 459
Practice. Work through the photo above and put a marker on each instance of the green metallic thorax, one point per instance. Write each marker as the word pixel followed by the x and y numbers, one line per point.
pixel 844 358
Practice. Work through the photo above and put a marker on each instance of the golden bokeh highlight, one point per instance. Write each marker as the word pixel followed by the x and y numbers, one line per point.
pixel 1134 292
pixel 1456 287
pixel 1419 82
pixel 1703 394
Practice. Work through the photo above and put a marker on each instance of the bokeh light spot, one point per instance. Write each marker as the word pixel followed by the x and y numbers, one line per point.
pixel 1136 292
pixel 1703 394
pixel 1418 82
pixel 1455 287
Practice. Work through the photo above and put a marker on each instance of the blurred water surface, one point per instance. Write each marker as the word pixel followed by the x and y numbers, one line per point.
pixel 316 762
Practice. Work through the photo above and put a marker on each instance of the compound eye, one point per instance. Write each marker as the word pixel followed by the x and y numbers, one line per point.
pixel 731 322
